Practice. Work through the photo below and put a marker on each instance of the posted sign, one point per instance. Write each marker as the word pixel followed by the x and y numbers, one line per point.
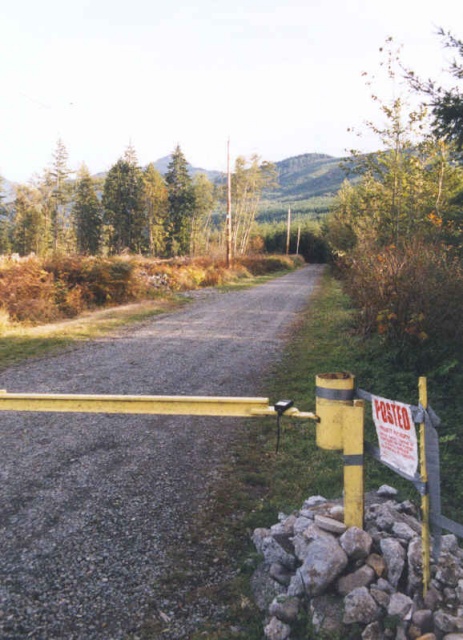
pixel 396 434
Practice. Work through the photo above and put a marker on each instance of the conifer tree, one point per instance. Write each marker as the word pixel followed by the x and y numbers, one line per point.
pixel 59 174
pixel 44 187
pixel 124 207
pixel 87 214
pixel 29 222
pixel 156 203
pixel 181 204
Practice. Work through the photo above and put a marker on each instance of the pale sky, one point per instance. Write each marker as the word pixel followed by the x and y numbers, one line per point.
pixel 279 78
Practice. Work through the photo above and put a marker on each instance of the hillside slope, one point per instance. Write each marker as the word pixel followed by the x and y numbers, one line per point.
pixel 308 176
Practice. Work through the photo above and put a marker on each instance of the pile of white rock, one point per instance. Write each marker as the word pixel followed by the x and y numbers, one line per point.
pixel 157 281
pixel 364 583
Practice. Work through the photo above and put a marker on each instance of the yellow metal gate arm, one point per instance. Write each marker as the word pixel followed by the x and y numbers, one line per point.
pixel 164 405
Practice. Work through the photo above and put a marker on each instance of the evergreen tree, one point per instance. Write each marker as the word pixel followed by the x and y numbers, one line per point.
pixel 87 214
pixel 29 222
pixel 44 187
pixel 156 203
pixel 124 207
pixel 130 154
pixel 62 190
pixel 181 204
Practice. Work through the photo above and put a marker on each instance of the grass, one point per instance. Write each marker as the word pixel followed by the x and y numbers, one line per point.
pixel 17 343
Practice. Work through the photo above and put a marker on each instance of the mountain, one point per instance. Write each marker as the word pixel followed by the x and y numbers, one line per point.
pixel 163 163
pixel 308 184
pixel 307 176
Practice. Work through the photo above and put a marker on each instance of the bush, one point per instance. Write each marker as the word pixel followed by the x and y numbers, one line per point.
pixel 38 291
pixel 27 291
pixel 111 281
pixel 410 294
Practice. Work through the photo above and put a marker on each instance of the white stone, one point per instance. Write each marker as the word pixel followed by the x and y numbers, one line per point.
pixel 259 536
pixel 277 630
pixel 337 512
pixel 331 525
pixel 403 531
pixel 460 591
pixel 363 577
pixel 273 552
pixel 264 588
pixel 400 605
pixel 360 607
pixel 324 562
pixel 372 632
pixel 285 608
pixel 356 543
pixel 447 623
pixel 385 491
pixel 301 524
pixel 449 543
pixel 394 555
pixel 313 501
pixel 327 612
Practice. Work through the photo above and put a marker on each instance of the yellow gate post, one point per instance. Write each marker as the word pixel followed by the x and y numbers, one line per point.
pixel 425 534
pixel 340 426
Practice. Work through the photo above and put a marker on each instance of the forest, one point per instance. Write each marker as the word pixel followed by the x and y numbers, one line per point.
pixel 132 209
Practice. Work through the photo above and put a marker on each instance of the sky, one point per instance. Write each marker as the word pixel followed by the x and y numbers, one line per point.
pixel 276 78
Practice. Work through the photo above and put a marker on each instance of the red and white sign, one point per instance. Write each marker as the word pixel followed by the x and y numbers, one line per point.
pixel 396 434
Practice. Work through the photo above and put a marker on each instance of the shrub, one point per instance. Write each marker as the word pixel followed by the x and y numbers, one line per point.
pixel 34 290
pixel 409 294
pixel 111 281
pixel 27 291
pixel 70 302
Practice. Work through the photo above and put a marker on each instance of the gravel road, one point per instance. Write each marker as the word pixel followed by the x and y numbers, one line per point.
pixel 92 506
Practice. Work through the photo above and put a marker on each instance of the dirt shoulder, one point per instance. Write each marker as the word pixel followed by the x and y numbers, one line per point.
pixel 92 507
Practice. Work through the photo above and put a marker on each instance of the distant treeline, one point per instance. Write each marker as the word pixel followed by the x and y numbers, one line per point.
pixel 131 209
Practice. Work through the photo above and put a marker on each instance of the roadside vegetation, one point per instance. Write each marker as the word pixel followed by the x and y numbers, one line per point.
pixel 396 233
pixel 47 304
